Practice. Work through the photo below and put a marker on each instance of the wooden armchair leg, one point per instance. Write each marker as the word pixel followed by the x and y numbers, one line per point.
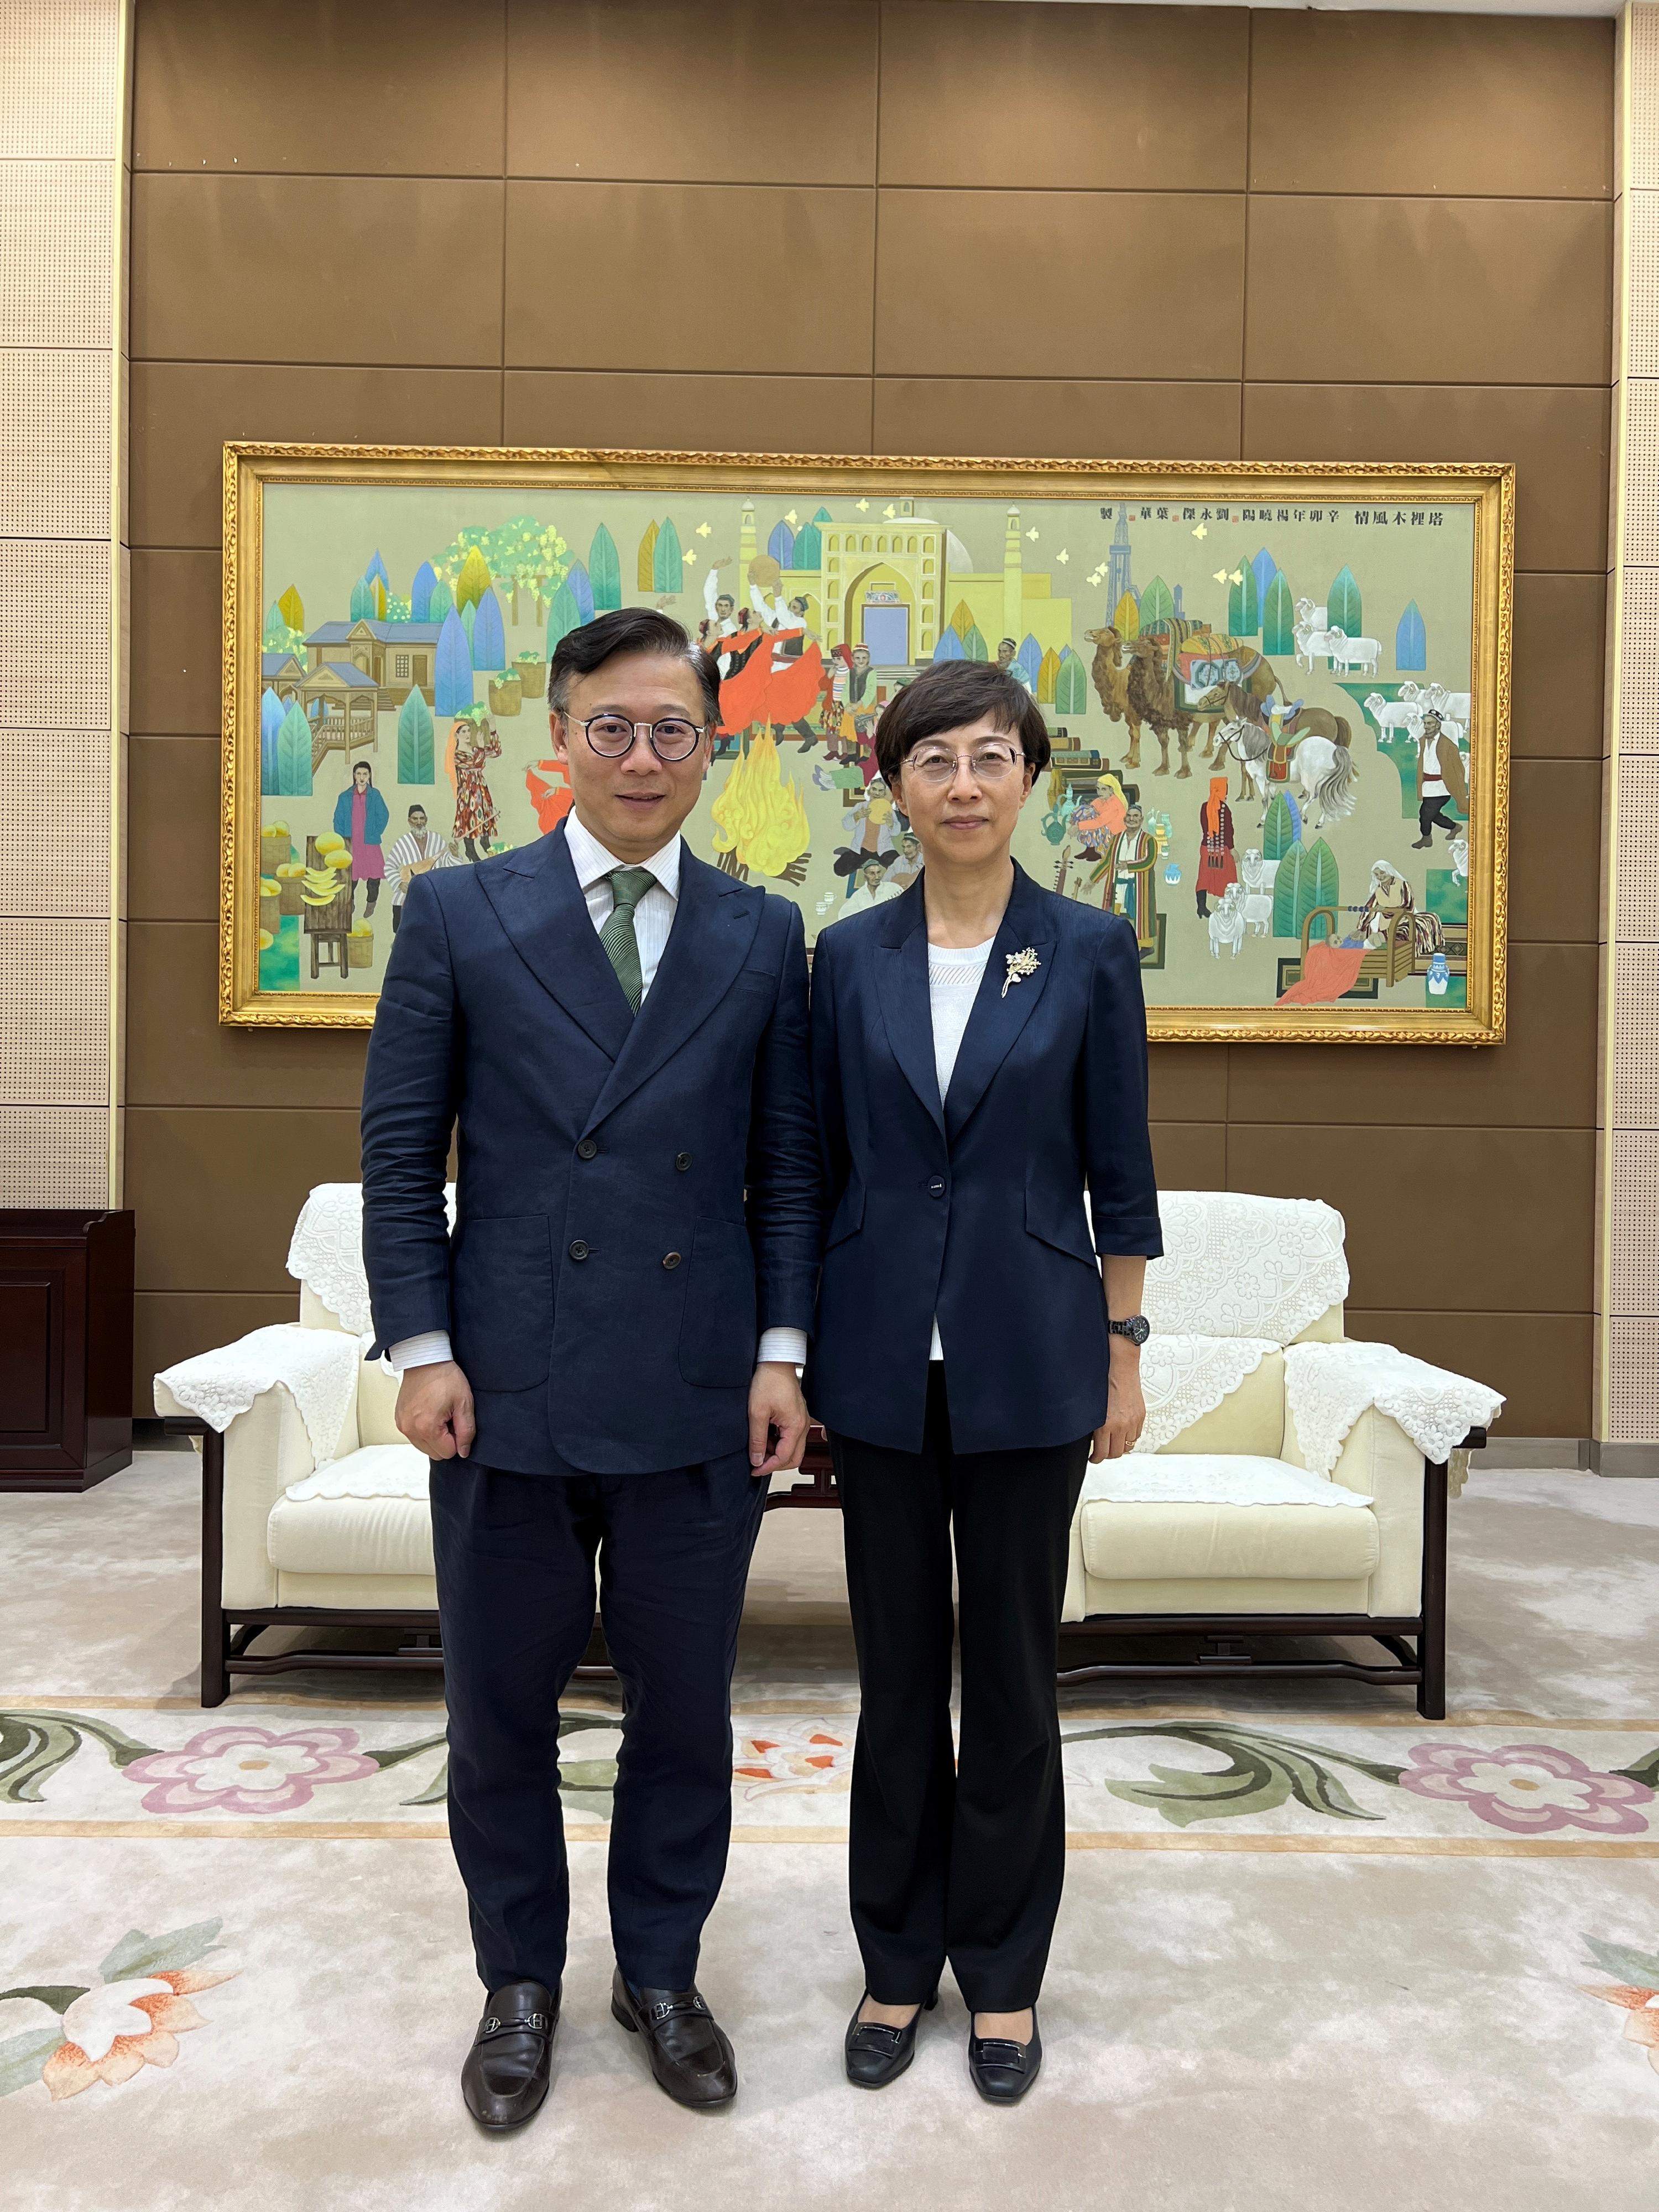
pixel 215 1637
pixel 1431 1638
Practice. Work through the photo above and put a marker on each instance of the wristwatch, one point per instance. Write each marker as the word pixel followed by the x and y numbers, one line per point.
pixel 1137 1328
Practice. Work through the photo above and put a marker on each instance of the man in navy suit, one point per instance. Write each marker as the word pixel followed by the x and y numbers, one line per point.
pixel 601 1363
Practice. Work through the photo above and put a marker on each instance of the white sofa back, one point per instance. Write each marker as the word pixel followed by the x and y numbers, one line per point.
pixel 1238 1264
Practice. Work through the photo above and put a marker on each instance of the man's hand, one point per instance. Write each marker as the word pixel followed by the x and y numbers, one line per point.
pixel 775 1403
pixel 434 1410
pixel 1126 1409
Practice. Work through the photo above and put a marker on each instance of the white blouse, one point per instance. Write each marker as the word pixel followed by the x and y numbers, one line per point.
pixel 954 975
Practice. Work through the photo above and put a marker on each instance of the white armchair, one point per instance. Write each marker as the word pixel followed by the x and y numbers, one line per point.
pixel 1290 1482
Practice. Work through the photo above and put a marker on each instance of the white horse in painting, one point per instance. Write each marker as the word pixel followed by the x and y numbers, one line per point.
pixel 1323 774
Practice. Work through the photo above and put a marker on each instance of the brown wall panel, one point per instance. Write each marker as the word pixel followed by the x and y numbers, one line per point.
pixel 694 414
pixel 1078 418
pixel 1431 104
pixel 177 627
pixel 899 226
pixel 1106 99
pixel 180 1054
pixel 1463 1220
pixel 183 412
pixel 1463 291
pixel 1557 438
pixel 1544 1077
pixel 216 1191
pixel 947 259
pixel 219 86
pixel 1540 1362
pixel 394 270
pixel 684 277
pixel 173 832
pixel 731 91
pixel 1560 631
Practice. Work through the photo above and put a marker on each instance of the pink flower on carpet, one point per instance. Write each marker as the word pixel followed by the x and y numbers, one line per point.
pixel 1643 2024
pixel 1529 1788
pixel 798 1755
pixel 239 1769
pixel 114 2030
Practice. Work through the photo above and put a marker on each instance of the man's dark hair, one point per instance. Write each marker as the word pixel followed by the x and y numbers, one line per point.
pixel 624 631
pixel 416 809
pixel 950 693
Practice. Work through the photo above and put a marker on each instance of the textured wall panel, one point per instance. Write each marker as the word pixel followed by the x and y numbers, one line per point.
pixel 1642 156
pixel 54 1012
pixel 56 237
pixel 54 858
pixel 59 79
pixel 1634 1186
pixel 54 443
pixel 1642 224
pixel 1633 1380
pixel 1642 463
pixel 1635 1103
pixel 54 1156
pixel 54 672
pixel 1638 704
pixel 1636 911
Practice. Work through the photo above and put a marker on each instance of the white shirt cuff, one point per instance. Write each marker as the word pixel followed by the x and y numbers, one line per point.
pixel 423 1351
pixel 789 1343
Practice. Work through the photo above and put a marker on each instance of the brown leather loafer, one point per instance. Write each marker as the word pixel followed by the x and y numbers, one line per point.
pixel 689 2053
pixel 505 2077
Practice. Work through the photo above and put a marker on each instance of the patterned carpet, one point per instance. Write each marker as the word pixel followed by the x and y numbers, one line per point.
pixel 1310 1944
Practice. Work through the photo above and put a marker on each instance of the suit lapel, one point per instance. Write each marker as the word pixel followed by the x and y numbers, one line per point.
pixel 906 1009
pixel 997 1016
pixel 714 925
pixel 539 904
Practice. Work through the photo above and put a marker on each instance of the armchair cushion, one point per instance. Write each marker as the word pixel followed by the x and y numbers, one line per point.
pixel 367 1514
pixel 1223 1518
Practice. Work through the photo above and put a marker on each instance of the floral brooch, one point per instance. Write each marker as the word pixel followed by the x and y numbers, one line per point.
pixel 1020 965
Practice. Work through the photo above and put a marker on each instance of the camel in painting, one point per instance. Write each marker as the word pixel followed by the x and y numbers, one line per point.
pixel 1111 677
pixel 1152 697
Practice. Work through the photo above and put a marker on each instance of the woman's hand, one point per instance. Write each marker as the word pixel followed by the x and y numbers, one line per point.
pixel 1126 1409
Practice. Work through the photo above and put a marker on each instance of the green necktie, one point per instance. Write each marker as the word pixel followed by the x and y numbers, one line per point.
pixel 622 949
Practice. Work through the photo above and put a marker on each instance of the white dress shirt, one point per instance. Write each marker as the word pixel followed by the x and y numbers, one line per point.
pixel 954 975
pixel 653 917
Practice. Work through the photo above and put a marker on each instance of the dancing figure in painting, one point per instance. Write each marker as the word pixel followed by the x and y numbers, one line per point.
pixel 474 808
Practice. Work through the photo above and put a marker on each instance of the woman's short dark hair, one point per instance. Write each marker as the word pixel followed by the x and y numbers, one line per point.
pixel 950 693
pixel 629 629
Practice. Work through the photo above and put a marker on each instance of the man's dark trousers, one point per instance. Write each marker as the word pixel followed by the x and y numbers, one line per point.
pixel 515 1559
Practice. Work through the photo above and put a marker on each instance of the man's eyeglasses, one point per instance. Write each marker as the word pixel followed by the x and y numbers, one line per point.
pixel 988 763
pixel 610 736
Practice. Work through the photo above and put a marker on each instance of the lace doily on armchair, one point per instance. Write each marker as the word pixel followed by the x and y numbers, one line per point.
pixel 317 1366
pixel 1184 1377
pixel 1238 1264
pixel 1329 1386
pixel 326 1251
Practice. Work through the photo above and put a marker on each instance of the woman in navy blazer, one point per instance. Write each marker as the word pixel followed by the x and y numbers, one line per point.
pixel 980 1062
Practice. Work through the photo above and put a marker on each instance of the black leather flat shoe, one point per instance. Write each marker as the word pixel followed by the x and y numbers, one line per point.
pixel 505 2076
pixel 691 2054
pixel 877 2054
pixel 1001 2070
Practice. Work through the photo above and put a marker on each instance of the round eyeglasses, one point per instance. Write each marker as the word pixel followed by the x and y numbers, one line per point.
pixel 610 736
pixel 937 764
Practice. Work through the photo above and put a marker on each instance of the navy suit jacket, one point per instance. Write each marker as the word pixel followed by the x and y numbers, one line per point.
pixel 608 1279
pixel 972 1209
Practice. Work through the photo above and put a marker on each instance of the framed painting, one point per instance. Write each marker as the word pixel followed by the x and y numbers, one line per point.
pixel 1278 695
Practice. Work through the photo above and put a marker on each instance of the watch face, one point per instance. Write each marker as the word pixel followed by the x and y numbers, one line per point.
pixel 1137 1329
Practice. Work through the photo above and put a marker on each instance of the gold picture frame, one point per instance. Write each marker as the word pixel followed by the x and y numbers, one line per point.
pixel 1456 520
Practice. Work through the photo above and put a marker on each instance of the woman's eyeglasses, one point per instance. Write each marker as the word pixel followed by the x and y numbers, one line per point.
pixel 612 736
pixel 988 763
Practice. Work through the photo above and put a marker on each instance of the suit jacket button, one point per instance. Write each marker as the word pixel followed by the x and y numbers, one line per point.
pixel 682 1161
pixel 578 1250
pixel 935 1187
pixel 587 1149
pixel 670 1259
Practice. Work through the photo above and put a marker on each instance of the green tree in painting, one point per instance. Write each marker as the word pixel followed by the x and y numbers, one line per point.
pixel 645 566
pixel 1072 684
pixel 1156 604
pixel 974 645
pixel 280 636
pixel 666 574
pixel 415 749
pixel 562 617
pixel 1126 620
pixel 439 602
pixel 1288 891
pixel 1279 618
pixel 605 570
pixel 294 754
pixel 1278 830
pixel 1048 678
pixel 1244 614
pixel 1343 608
pixel 363 600
pixel 292 609
pixel 474 580
pixel 1307 878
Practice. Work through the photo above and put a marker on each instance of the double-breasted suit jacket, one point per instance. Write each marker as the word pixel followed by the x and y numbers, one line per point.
pixel 636 1194
pixel 971 1208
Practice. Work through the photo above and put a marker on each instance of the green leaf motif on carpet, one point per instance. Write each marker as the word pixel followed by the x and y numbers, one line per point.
pixel 138 1955
pixel 1262 1772
pixel 1638 1970
pixel 34 1745
pixel 21 2057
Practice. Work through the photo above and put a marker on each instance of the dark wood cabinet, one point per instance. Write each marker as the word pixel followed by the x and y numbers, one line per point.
pixel 65 1348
